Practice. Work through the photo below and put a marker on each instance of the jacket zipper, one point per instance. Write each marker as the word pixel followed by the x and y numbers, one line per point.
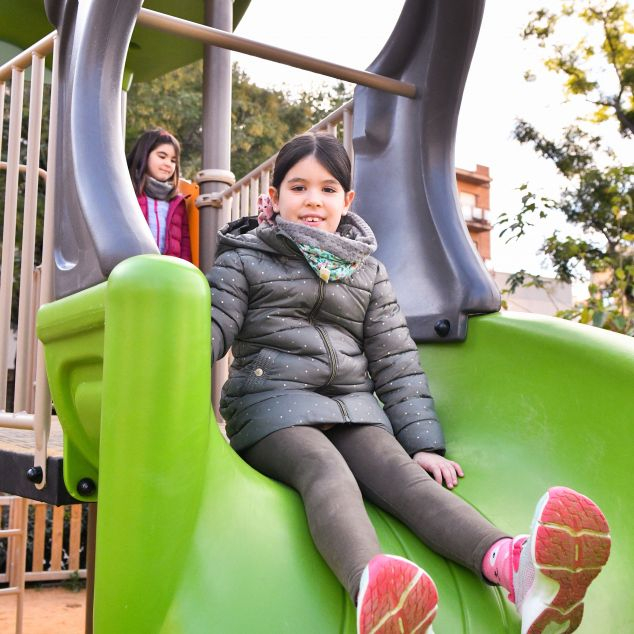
pixel 319 302
pixel 344 410
pixel 158 225
pixel 331 355
pixel 322 333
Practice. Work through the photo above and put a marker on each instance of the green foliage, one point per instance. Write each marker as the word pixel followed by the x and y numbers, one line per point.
pixel 600 66
pixel 521 279
pixel 514 225
pixel 74 582
pixel 599 192
pixel 262 120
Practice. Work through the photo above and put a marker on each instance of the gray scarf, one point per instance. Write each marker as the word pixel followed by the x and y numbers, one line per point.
pixel 159 190
pixel 353 239
pixel 333 256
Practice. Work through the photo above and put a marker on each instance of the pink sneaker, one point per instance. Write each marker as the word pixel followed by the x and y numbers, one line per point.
pixel 568 545
pixel 395 597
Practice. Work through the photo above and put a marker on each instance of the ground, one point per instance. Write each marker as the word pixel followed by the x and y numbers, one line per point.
pixel 47 610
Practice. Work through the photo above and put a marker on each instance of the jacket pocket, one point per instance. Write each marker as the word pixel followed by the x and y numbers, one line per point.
pixel 257 371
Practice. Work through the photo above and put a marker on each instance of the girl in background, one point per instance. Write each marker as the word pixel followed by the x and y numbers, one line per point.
pixel 154 169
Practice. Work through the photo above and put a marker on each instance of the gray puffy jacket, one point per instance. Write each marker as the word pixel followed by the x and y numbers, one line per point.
pixel 307 352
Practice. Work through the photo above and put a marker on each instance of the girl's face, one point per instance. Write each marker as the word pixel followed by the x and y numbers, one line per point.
pixel 311 195
pixel 161 162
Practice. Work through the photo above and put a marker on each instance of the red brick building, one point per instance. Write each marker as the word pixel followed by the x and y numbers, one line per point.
pixel 473 189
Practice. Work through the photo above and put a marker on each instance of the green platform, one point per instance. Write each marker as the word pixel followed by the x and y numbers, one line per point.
pixel 191 540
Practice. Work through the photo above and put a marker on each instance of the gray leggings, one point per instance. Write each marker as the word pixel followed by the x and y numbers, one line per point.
pixel 332 469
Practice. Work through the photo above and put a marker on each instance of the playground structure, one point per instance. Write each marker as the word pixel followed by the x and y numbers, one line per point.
pixel 139 435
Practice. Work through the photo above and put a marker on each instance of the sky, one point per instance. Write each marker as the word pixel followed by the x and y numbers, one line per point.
pixel 353 32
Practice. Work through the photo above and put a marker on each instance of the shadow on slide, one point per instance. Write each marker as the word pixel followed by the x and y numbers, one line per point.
pixel 190 539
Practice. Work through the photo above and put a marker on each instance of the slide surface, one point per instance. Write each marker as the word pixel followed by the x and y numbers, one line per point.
pixel 190 539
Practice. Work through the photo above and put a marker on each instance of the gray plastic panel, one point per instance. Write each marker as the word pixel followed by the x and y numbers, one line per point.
pixel 97 218
pixel 405 173
pixel 404 149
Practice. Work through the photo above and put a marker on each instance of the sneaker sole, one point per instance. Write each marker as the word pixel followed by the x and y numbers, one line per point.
pixel 396 597
pixel 570 543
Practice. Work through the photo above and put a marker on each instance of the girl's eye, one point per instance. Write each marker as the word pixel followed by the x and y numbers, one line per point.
pixel 330 190
pixel 297 188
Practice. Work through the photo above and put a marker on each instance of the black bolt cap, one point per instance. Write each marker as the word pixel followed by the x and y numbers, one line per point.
pixel 442 327
pixel 86 486
pixel 35 474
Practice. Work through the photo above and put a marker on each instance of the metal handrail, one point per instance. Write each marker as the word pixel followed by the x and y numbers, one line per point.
pixel 22 168
pixel 334 118
pixel 23 60
pixel 223 39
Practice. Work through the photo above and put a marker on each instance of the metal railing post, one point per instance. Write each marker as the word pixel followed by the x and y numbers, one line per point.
pixel 23 369
pixel 42 419
pixel 216 175
pixel 10 214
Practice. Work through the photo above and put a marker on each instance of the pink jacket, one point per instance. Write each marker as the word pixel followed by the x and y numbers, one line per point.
pixel 177 238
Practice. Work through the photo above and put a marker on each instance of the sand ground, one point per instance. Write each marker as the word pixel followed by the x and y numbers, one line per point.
pixel 47 610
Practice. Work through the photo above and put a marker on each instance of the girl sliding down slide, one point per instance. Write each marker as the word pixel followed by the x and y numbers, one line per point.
pixel 316 332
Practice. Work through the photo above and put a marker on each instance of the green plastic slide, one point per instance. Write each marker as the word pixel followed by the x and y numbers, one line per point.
pixel 190 539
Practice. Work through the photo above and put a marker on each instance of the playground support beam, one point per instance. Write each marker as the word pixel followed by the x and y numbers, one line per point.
pixel 216 148
pixel 185 28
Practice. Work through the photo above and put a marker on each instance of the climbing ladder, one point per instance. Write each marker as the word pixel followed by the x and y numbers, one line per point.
pixel 15 536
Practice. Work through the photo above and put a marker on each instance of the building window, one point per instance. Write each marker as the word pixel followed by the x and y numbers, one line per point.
pixel 468 204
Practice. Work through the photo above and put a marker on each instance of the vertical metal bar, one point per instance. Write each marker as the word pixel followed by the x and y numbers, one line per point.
pixel 253 198
pixel 244 201
pixel 216 147
pixel 42 419
pixel 32 360
pixel 10 212
pixel 216 123
pixel 91 540
pixel 347 132
pixel 2 94
pixel 19 515
pixel 265 180
pixel 25 341
pixel 2 91
pixel 226 210
pixel 235 206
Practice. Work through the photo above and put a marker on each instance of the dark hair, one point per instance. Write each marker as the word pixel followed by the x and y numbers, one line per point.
pixel 137 158
pixel 324 147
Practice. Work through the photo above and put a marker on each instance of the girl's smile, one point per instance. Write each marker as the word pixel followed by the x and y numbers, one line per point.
pixel 161 162
pixel 310 195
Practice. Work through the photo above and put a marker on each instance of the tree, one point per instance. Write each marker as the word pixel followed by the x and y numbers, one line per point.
pixel 597 70
pixel 262 120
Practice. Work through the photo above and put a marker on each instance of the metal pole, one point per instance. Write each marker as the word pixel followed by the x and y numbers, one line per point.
pixel 216 175
pixel 23 369
pixel 216 126
pixel 10 214
pixel 2 91
pixel 42 426
pixel 91 543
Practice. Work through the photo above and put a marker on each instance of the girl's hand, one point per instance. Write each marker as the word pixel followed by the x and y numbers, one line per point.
pixel 439 468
